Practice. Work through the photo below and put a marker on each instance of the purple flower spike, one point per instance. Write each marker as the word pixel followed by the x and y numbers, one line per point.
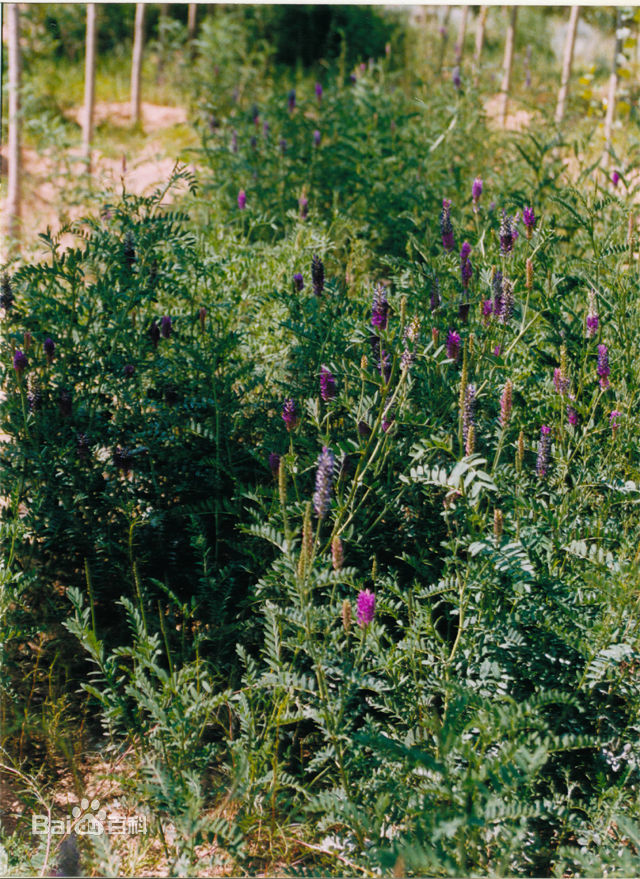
pixel 572 416
pixel 446 228
pixel 324 481
pixel 298 281
pixel 165 327
pixel 529 218
pixel 592 315
pixel 274 463
pixel 20 361
pixel 604 370
pixel 318 91
pixel 49 349
pixel 303 203
pixel 487 311
pixel 613 420
pixel 508 233
pixel 615 178
pixel 380 308
pixel 476 190
pixel 366 608
pixel 455 78
pixel 317 137
pixel 292 100
pixel 289 414
pixel 242 199
pixel 453 345
pixel 327 384
pixel 544 448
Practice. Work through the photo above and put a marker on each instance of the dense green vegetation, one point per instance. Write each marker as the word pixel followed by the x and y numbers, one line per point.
pixel 321 483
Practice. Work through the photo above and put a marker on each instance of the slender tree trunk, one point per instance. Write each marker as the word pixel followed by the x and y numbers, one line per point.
pixel 567 61
pixel 192 15
pixel 136 64
pixel 480 26
pixel 89 85
pixel 462 32
pixel 13 182
pixel 611 98
pixel 507 64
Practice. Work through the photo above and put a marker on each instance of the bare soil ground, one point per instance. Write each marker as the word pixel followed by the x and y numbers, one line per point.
pixel 54 188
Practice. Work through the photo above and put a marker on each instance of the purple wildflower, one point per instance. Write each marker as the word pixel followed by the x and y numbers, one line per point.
pixel 129 370
pixel 561 381
pixel 366 608
pixel 353 78
pixel 615 178
pixel 317 137
pixel 453 345
pixel 487 311
pixel 20 362
pixel 476 191
pixel 387 418
pixel 165 326
pixel 274 463
pixel 497 350
pixel 298 281
pixel 291 100
pixel 592 315
pixel 544 448
pixel 380 308
pixel 613 420
pixel 572 416
pixel 242 199
pixel 49 349
pixel 529 220
pixel 317 275
pixel 318 91
pixel 604 369
pixel 508 233
pixel 324 481
pixel 507 302
pixel 327 384
pixel 455 78
pixel 289 414
pixel 303 203
pixel 446 229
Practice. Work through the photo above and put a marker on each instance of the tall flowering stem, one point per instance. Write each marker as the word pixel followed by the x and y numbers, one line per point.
pixel 446 229
pixel 604 370
pixel 544 450
pixel 324 482
pixel 380 308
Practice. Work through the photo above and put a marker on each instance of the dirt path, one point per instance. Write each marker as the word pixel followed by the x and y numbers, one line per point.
pixel 54 188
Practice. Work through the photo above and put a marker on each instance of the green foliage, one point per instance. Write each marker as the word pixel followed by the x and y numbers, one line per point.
pixel 484 479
